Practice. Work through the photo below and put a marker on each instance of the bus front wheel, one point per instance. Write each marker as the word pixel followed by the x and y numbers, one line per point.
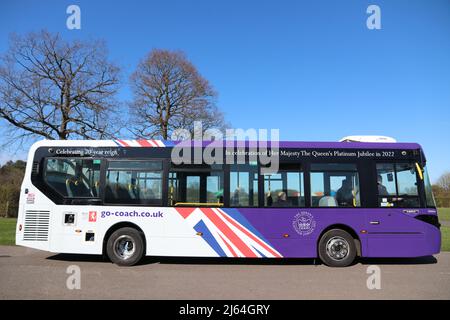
pixel 337 248
pixel 125 247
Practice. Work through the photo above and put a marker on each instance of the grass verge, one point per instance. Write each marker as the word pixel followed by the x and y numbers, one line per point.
pixel 7 231
pixel 444 214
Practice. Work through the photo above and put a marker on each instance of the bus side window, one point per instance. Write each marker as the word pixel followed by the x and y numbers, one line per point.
pixel 195 185
pixel 134 182
pixel 397 185
pixel 73 178
pixel 243 185
pixel 335 185
pixel 284 188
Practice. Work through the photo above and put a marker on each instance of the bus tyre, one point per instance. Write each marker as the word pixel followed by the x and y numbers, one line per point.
pixel 125 247
pixel 337 248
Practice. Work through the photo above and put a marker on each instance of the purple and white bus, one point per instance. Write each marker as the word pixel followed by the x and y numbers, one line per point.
pixel 129 198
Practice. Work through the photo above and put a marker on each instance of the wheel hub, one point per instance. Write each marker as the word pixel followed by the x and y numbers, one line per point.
pixel 337 248
pixel 124 247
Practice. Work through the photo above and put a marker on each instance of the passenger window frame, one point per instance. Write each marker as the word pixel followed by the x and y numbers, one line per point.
pixel 257 171
pixel 291 167
pixel 161 201
pixel 355 169
pixel 67 197
pixel 419 187
pixel 193 170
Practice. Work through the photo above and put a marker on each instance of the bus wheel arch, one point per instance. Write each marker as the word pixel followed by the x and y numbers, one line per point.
pixel 339 231
pixel 122 225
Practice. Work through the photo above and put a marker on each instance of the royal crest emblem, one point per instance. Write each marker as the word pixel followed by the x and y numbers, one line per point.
pixel 304 223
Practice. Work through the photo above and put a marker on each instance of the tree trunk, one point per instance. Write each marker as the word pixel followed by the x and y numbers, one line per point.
pixel 7 209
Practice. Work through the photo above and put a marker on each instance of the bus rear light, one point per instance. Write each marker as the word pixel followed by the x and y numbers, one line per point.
pixel 20 227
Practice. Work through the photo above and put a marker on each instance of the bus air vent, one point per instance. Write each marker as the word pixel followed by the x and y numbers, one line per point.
pixel 35 168
pixel 36 225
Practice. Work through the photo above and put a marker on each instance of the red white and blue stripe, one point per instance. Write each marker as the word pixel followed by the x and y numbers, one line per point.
pixel 229 234
pixel 144 143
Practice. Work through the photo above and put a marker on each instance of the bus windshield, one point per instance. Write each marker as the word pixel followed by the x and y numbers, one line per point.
pixel 428 190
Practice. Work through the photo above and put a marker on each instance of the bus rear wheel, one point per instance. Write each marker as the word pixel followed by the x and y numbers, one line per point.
pixel 125 247
pixel 337 248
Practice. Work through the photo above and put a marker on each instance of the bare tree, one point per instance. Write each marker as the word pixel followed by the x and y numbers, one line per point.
pixel 444 182
pixel 169 94
pixel 57 89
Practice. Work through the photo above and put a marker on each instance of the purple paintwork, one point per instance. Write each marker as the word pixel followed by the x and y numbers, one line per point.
pixel 304 145
pixel 398 234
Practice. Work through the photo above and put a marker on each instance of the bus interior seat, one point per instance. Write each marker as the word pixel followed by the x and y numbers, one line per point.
pixel 76 188
pixel 133 192
pixel 109 194
pixel 122 192
pixel 58 181
pixel 96 189
pixel 327 201
pixel 269 199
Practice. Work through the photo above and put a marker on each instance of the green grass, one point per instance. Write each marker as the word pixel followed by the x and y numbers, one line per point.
pixel 445 233
pixel 444 214
pixel 7 231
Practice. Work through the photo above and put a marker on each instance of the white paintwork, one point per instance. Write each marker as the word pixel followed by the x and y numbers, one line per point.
pixel 169 235
pixel 382 139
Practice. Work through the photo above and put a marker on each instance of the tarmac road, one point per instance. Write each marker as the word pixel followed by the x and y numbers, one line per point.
pixel 32 274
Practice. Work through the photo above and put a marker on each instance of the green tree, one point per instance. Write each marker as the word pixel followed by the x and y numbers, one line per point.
pixel 11 176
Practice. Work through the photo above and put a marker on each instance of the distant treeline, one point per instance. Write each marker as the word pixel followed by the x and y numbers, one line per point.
pixel 11 176
pixel 442 197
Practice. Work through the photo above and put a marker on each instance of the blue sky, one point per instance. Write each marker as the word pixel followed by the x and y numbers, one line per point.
pixel 310 68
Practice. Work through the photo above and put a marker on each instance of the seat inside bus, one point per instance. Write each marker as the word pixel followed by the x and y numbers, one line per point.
pixel 328 201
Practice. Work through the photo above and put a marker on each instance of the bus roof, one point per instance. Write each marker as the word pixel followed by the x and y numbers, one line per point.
pixel 281 144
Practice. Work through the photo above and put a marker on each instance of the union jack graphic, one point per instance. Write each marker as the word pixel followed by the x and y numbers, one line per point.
pixel 144 143
pixel 228 236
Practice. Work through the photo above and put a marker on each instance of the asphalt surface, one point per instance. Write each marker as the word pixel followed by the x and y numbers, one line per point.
pixel 32 274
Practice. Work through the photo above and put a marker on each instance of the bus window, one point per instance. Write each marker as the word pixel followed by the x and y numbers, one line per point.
pixel 73 178
pixel 193 189
pixel 134 182
pixel 285 188
pixel 195 186
pixel 243 185
pixel 397 185
pixel 428 191
pixel 406 179
pixel 334 185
